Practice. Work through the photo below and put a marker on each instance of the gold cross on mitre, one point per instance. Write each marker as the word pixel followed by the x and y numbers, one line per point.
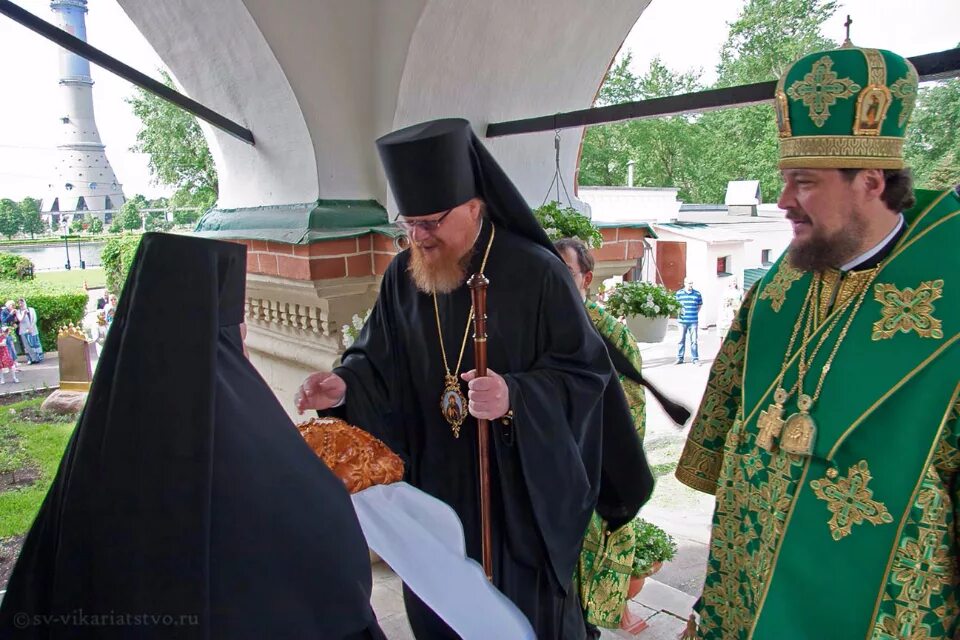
pixel 848 42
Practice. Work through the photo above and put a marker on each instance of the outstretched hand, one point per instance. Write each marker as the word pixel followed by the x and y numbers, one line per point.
pixel 320 391
pixel 489 396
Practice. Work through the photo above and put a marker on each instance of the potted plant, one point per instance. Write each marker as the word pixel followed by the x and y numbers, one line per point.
pixel 567 222
pixel 653 547
pixel 645 306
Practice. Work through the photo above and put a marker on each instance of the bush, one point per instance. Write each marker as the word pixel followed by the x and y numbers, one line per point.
pixel 14 267
pixel 642 299
pixel 116 257
pixel 96 226
pixel 116 226
pixel 567 223
pixel 653 545
pixel 56 305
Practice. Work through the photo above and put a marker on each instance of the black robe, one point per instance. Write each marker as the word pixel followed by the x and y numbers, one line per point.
pixel 546 469
pixel 186 504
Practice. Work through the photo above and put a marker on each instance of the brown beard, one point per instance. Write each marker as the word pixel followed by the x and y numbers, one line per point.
pixel 822 252
pixel 442 275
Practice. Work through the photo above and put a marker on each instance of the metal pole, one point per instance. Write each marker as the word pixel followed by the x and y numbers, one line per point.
pixel 66 248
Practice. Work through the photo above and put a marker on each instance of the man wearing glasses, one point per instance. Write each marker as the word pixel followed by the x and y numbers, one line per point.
pixel 409 378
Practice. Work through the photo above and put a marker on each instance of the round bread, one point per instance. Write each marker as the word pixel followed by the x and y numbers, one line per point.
pixel 354 456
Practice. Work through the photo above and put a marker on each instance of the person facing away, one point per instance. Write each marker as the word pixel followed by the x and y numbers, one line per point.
pixel 545 391
pixel 605 576
pixel 186 500
pixel 828 431
pixel 690 302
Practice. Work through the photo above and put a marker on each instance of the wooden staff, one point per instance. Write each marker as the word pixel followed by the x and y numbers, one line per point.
pixel 478 291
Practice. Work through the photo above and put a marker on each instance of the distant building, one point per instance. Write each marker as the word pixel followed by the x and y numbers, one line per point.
pixel 83 183
pixel 712 244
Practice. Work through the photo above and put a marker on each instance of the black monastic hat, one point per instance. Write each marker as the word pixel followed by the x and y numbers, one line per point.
pixel 440 164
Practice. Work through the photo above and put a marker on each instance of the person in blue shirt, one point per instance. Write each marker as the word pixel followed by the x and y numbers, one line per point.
pixel 690 303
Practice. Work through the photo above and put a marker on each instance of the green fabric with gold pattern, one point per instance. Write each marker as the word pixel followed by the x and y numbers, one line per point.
pixel 845 108
pixel 607 558
pixel 876 500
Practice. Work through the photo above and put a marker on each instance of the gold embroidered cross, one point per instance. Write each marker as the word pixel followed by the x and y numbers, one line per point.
pixel 776 290
pixel 908 310
pixel 821 88
pixel 924 566
pixel 850 501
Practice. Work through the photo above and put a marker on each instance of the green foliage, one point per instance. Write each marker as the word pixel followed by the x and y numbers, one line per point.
pixel 31 222
pixel 157 221
pixel 15 267
pixel 116 258
pixel 129 216
pixel 10 220
pixel 116 226
pixel 642 299
pixel 179 155
pixel 933 147
pixel 699 155
pixel 77 225
pixel 653 545
pixel 56 305
pixel 96 226
pixel 567 222
pixel 185 217
pixel 34 439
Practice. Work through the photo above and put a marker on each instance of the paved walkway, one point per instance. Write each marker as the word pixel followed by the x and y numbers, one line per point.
pixel 666 599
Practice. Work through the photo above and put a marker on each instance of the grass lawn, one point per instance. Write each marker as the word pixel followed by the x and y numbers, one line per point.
pixel 31 445
pixel 95 277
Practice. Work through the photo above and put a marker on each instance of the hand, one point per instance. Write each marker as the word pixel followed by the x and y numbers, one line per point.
pixel 319 391
pixel 489 396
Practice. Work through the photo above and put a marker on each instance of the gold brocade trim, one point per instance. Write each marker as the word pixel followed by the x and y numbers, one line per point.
pixel 881 624
pixel 850 501
pixel 853 284
pixel 821 88
pixel 699 467
pixel 874 101
pixel 905 89
pixel 776 290
pixel 829 281
pixel 908 310
pixel 782 108
pixel 881 152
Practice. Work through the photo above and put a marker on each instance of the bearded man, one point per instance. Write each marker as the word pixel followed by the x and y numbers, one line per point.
pixel 829 431
pixel 546 391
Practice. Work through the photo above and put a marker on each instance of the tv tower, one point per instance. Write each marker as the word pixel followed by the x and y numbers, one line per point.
pixel 83 180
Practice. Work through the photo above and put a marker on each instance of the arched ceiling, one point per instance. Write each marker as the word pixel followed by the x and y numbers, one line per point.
pixel 317 81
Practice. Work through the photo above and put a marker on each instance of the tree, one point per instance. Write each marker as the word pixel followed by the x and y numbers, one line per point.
pixel 10 219
pixel 179 155
pixel 185 216
pixel 116 226
pixel 129 217
pixel 77 225
pixel 31 222
pixel 932 148
pixel 96 226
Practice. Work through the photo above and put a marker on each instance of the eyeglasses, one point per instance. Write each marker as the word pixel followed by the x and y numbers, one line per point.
pixel 424 225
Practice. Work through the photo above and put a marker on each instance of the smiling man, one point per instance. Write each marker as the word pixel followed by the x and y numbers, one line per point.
pixel 410 379
pixel 828 432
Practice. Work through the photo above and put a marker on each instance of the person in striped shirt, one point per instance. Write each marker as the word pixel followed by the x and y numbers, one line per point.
pixel 690 302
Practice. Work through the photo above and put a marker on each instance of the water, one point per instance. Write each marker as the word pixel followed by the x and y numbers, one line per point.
pixel 50 258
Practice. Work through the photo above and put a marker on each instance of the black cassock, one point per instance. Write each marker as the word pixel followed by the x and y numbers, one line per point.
pixel 187 505
pixel 546 468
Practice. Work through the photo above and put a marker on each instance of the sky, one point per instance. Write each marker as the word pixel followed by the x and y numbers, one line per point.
pixel 30 106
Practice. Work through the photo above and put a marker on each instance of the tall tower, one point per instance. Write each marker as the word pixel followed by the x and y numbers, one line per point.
pixel 83 179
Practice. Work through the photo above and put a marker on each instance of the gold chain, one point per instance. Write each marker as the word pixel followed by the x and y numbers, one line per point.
pixel 793 339
pixel 805 366
pixel 466 332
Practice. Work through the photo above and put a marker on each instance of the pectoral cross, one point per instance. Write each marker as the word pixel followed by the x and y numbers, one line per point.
pixel 847 42
pixel 770 421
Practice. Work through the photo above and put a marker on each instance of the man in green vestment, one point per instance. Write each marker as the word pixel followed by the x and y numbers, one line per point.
pixel 829 431
pixel 608 572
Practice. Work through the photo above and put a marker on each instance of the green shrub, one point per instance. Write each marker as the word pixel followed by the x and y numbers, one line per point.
pixel 96 226
pixel 14 267
pixel 116 257
pixel 653 545
pixel 56 305
pixel 567 222
pixel 642 299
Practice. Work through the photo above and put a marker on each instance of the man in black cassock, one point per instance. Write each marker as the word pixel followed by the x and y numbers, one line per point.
pixel 408 376
pixel 187 505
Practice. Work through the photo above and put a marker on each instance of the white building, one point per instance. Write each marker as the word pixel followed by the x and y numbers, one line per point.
pixel 713 245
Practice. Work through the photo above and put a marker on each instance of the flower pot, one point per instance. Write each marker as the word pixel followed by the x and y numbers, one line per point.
pixel 646 329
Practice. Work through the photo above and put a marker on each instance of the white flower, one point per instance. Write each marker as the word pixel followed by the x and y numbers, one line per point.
pixel 357 322
pixel 551 231
pixel 656 308
pixel 347 341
